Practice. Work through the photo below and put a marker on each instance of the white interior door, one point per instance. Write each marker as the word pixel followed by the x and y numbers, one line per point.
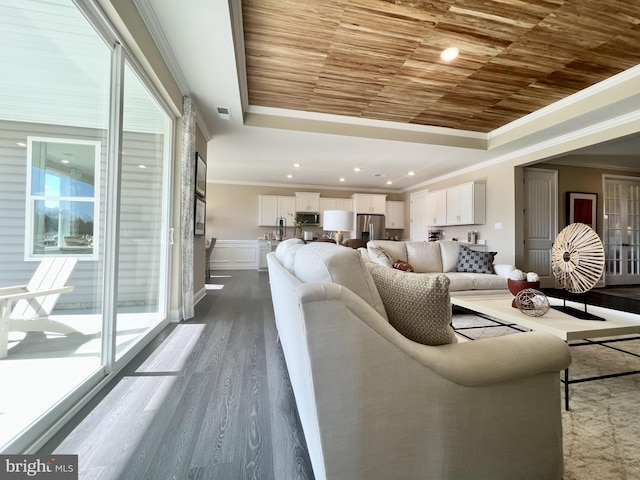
pixel 540 221
pixel 621 231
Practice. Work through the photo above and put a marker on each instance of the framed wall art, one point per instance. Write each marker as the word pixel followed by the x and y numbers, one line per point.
pixel 201 176
pixel 200 216
pixel 582 208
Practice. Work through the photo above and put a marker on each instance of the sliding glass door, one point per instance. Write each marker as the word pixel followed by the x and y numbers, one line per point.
pixel 143 242
pixel 85 168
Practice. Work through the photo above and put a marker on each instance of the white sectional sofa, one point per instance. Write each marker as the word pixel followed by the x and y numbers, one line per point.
pixel 438 257
pixel 375 405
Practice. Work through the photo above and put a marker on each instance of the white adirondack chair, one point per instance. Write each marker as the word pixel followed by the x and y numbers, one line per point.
pixel 35 301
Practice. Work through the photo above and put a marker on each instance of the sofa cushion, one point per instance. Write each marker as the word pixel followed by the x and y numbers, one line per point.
pixel 396 250
pixel 289 257
pixel 325 262
pixel 283 246
pixel 425 257
pixel 475 262
pixel 417 305
pixel 487 282
pixel 450 251
pixel 379 256
pixel 459 282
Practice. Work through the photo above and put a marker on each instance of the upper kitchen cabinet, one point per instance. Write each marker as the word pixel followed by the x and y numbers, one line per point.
pixel 466 204
pixel 328 203
pixel 394 217
pixel 307 202
pixel 368 203
pixel 270 207
pixel 436 208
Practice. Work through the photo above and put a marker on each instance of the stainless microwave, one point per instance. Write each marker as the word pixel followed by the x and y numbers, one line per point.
pixel 309 219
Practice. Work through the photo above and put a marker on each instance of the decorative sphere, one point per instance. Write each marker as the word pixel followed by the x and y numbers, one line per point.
pixel 532 302
pixel 533 277
pixel 517 275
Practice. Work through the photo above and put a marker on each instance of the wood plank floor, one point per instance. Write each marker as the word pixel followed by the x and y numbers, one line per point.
pixel 207 399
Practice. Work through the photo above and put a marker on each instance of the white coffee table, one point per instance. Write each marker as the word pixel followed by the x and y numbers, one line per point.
pixel 496 304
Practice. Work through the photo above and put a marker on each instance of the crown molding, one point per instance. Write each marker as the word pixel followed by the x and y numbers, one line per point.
pixel 363 128
pixel 603 131
pixel 616 88
pixel 353 189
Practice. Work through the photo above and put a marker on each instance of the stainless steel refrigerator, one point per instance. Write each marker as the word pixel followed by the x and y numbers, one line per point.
pixel 370 227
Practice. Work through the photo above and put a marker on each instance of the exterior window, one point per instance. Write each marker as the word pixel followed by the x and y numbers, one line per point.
pixel 62 198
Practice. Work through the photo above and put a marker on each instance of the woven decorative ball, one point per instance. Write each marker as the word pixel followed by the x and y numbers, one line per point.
pixel 532 302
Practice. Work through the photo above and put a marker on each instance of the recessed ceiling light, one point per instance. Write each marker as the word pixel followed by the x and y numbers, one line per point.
pixel 297 165
pixel 450 54
pixel 289 176
pixel 389 182
pixel 342 179
pixel 357 169
pixel 411 173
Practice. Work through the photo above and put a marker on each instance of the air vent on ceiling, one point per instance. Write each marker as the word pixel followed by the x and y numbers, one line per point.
pixel 224 113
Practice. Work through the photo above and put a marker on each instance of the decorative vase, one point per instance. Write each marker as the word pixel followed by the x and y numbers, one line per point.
pixel 297 232
pixel 516 286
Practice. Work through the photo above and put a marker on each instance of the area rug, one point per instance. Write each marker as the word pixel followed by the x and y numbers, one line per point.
pixel 601 432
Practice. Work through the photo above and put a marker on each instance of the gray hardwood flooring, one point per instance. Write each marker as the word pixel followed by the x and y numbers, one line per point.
pixel 207 399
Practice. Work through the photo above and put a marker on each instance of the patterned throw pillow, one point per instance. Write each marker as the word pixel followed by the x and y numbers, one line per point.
pixel 404 266
pixel 417 304
pixel 475 262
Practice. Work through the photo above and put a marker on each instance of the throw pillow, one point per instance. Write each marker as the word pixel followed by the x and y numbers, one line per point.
pixel 379 256
pixel 404 266
pixel 475 262
pixel 417 304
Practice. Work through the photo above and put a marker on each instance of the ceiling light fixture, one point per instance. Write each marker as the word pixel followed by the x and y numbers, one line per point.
pixel 64 161
pixel 297 165
pixel 357 169
pixel 411 173
pixel 289 176
pixel 342 179
pixel 450 54
pixel 389 182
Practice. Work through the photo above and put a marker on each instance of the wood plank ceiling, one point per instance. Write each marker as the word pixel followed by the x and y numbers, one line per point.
pixel 379 59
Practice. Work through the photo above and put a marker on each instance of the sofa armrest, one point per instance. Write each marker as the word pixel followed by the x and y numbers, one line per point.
pixel 495 360
pixel 471 364
pixel 503 269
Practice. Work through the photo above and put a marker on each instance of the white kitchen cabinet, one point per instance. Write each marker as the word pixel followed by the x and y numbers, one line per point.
pixel 466 204
pixel 307 202
pixel 264 247
pixel 344 204
pixel 369 203
pixel 270 207
pixel 328 203
pixel 436 208
pixel 394 217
